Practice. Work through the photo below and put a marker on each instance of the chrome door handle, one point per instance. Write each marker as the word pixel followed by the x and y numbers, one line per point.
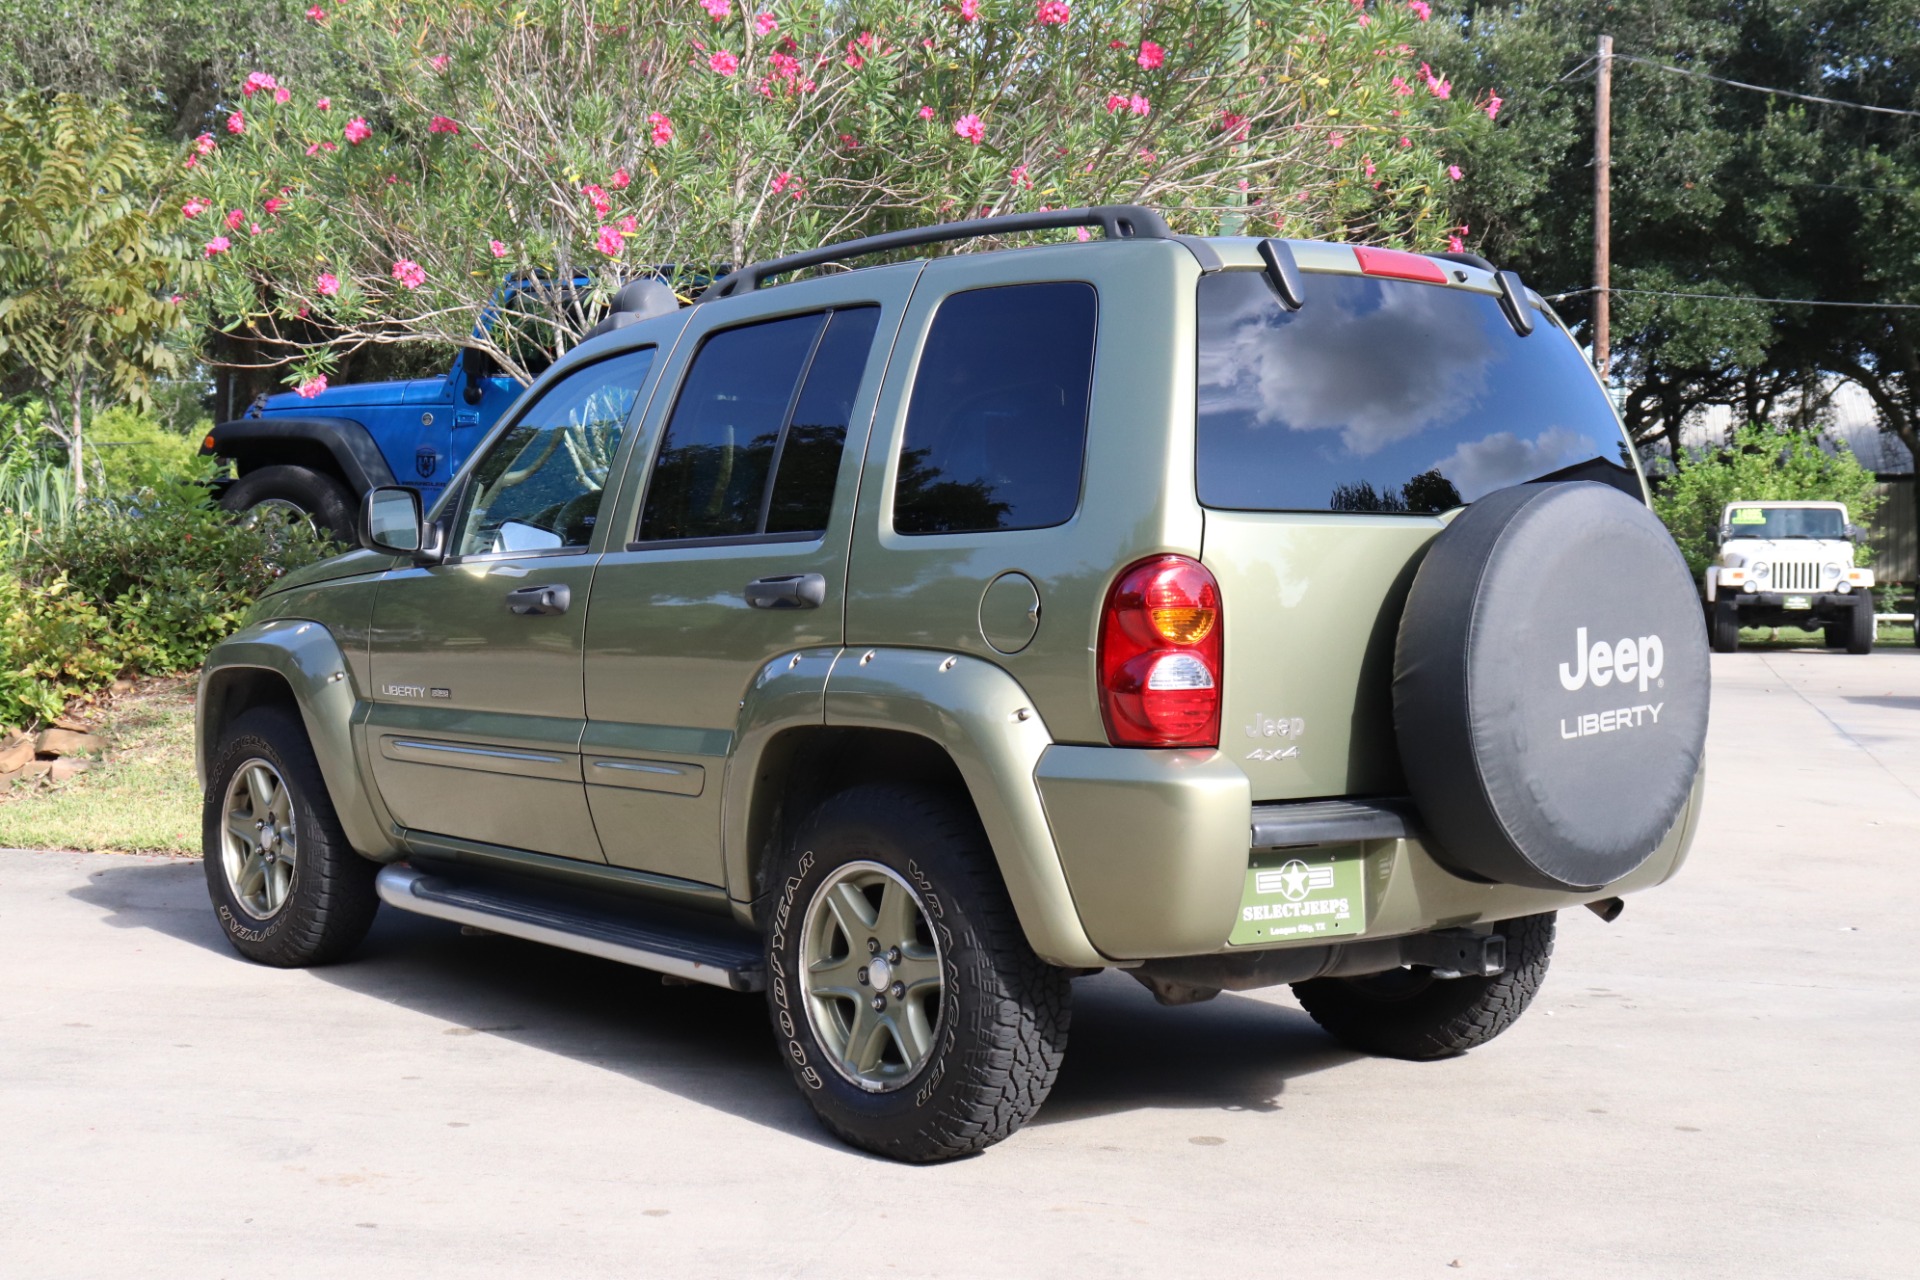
pixel 540 601
pixel 789 591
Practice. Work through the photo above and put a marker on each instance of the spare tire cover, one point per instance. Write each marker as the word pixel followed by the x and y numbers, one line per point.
pixel 1550 687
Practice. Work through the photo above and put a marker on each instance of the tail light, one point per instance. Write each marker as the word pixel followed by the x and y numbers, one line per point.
pixel 1160 647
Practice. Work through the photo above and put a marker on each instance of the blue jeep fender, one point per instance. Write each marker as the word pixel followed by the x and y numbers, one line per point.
pixel 339 446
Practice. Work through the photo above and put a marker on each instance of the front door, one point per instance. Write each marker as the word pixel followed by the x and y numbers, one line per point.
pixel 756 460
pixel 475 728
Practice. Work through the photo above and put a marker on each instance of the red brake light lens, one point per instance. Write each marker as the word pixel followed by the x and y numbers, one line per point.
pixel 1160 656
pixel 1398 265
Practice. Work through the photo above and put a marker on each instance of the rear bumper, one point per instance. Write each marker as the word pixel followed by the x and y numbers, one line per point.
pixel 1156 847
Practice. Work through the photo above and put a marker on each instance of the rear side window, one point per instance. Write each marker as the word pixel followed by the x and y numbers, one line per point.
pixel 1388 396
pixel 996 433
pixel 754 443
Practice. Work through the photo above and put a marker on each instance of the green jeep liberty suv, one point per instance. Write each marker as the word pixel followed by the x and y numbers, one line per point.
pixel 907 641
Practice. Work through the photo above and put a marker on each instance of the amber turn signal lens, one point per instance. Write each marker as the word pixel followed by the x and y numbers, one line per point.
pixel 1184 625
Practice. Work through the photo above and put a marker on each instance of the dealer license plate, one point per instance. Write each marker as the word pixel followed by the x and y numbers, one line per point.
pixel 1799 602
pixel 1317 893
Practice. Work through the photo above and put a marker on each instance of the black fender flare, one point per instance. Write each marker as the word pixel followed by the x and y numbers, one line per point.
pixel 257 442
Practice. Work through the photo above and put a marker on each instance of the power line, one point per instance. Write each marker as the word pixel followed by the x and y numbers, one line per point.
pixel 1756 88
pixel 1741 297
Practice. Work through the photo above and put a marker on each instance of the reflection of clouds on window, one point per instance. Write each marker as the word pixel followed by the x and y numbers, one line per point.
pixel 1478 467
pixel 1332 366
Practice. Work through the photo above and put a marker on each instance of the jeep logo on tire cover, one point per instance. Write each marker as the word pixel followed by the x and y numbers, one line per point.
pixel 1603 663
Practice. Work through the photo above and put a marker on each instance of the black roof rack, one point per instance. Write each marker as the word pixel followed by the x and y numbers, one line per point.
pixel 1119 221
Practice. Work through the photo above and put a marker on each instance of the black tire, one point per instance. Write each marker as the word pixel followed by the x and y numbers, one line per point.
pixel 1001 1029
pixel 1723 632
pixel 1409 1013
pixel 314 494
pixel 1860 630
pixel 329 901
pixel 1837 634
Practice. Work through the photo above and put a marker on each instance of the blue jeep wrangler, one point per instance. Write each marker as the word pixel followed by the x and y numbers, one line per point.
pixel 316 457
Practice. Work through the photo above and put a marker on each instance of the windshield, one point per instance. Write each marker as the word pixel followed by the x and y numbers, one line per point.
pixel 1786 522
pixel 1388 396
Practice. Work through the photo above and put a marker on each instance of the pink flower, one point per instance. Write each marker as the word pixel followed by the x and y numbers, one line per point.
pixel 1366 163
pixel 764 24
pixel 609 242
pixel 282 96
pixel 1420 9
pixel 1453 172
pixel 1439 86
pixel 662 128
pixel 850 142
pixel 219 244
pixel 275 204
pixel 926 113
pixel 439 61
pixel 499 250
pixel 176 299
pixel 970 128
pixel 718 10
pixel 311 387
pixel 326 284
pixel 1456 245
pixel 620 180
pixel 853 59
pixel 629 226
pixel 234 218
pixel 1139 105
pixel 724 63
pixel 1234 124
pixel 1051 13
pixel 781 181
pixel 325 104
pixel 1082 235
pixel 1400 87
pixel 1151 55
pixel 1494 103
pixel 969 10
pixel 598 198
pixel 195 206
pixel 1336 140
pixel 440 124
pixel 1115 102
pixel 1365 21
pixel 317 14
pixel 409 273
pixel 1018 177
pixel 1405 141
pixel 236 123
pixel 256 81
pixel 204 144
pixel 358 130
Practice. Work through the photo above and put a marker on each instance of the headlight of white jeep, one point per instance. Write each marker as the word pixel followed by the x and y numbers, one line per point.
pixel 1758 568
pixel 1832 571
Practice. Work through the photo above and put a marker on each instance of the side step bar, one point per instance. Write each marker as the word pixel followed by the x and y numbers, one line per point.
pixel 695 954
pixel 1322 822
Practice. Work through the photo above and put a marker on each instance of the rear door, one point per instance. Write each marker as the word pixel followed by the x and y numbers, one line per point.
pixel 733 552
pixel 477 705
pixel 1333 443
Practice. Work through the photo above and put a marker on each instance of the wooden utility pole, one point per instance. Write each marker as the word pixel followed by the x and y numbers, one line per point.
pixel 1602 206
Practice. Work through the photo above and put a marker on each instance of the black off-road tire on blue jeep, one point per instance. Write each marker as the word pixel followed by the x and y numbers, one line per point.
pixel 298 490
pixel 1001 1027
pixel 328 901
pixel 1723 627
pixel 1409 1013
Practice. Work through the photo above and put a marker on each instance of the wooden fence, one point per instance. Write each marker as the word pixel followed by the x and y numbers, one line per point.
pixel 1893 533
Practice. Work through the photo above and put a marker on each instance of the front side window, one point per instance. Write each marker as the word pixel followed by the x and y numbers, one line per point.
pixel 539 486
pixel 1388 396
pixel 996 433
pixel 754 443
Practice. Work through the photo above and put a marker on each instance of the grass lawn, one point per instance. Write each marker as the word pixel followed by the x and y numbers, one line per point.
pixel 141 799
pixel 1890 636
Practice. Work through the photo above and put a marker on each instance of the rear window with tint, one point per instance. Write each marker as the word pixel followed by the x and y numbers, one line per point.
pixel 1388 396
pixel 996 431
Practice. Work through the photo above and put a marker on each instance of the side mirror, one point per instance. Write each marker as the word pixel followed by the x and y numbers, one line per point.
pixel 1726 533
pixel 1856 534
pixel 479 366
pixel 390 521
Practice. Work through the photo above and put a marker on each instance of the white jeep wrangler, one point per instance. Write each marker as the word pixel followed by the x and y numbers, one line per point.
pixel 1789 564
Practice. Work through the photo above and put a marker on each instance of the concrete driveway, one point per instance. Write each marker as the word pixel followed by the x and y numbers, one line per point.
pixel 1719 1084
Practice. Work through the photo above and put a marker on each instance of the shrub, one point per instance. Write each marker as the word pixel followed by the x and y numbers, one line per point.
pixel 1760 463
pixel 130 452
pixel 139 586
